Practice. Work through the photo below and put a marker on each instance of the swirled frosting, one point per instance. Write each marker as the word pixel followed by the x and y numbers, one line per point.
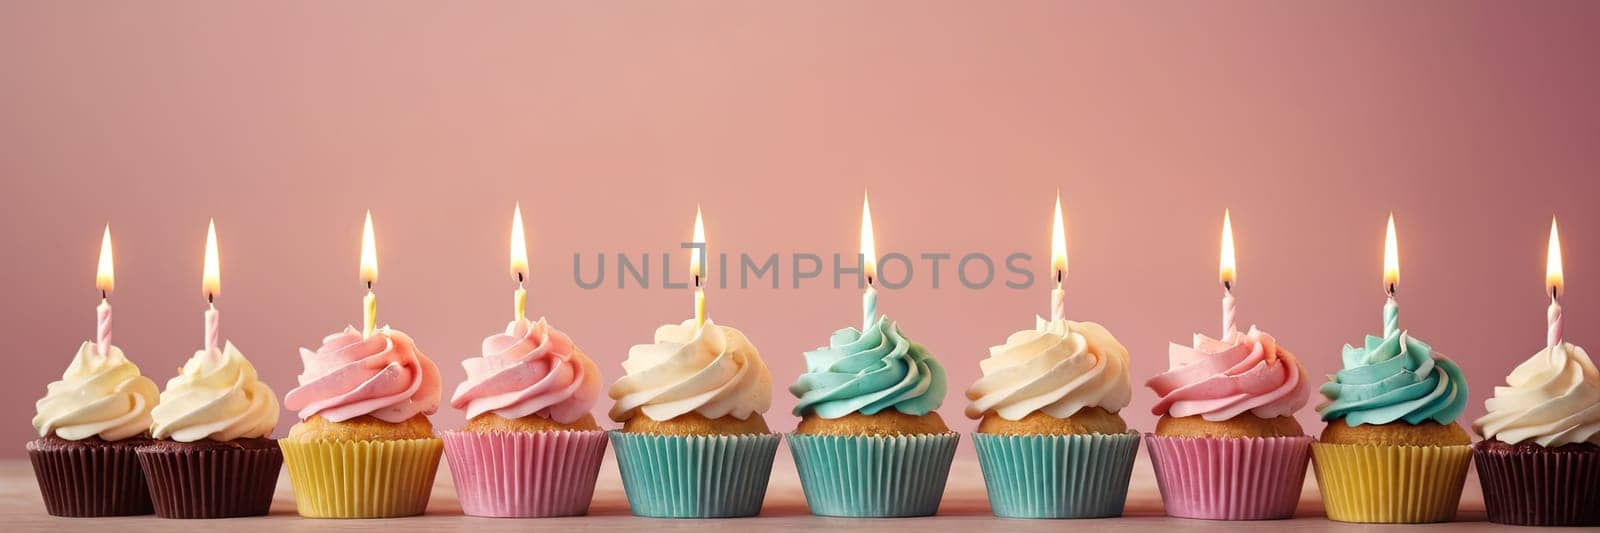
pixel 711 370
pixel 1057 368
pixel 531 369
pixel 217 396
pixel 1218 379
pixel 869 371
pixel 384 376
pixel 1394 378
pixel 102 395
pixel 1552 399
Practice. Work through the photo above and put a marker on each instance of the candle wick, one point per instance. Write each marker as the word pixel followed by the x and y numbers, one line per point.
pixel 519 278
pixel 211 300
pixel 1391 290
pixel 869 281
pixel 1227 286
pixel 104 296
pixel 369 286
pixel 696 281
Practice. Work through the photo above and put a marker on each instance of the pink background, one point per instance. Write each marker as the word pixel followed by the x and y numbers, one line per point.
pixel 609 122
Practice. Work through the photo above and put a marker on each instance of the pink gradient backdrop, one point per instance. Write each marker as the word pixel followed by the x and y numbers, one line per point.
pixel 609 122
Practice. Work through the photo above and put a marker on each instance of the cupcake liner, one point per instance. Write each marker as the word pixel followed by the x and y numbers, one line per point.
pixel 524 475
pixel 1057 476
pixel 873 476
pixel 211 483
pixel 362 479
pixel 694 476
pixel 85 480
pixel 1536 486
pixel 1391 484
pixel 1255 478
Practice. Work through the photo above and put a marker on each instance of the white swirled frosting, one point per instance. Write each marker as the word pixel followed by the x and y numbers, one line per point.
pixel 712 370
pixel 217 396
pixel 1552 399
pixel 1057 368
pixel 98 395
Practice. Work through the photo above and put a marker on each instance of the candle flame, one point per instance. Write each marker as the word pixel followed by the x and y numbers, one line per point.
pixel 211 278
pixel 1226 270
pixel 869 248
pixel 1058 244
pixel 104 278
pixel 695 269
pixel 519 245
pixel 369 252
pixel 1391 258
pixel 1552 267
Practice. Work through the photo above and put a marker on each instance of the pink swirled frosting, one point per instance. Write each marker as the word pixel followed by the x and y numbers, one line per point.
pixel 531 369
pixel 1221 379
pixel 384 375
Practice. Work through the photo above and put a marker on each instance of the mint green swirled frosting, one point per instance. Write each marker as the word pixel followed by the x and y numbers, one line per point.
pixel 867 372
pixel 1395 378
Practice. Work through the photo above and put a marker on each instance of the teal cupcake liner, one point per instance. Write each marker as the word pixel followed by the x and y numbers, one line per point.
pixel 1057 476
pixel 694 476
pixel 872 476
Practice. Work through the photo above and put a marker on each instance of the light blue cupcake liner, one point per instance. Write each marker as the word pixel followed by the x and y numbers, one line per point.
pixel 700 476
pixel 1057 476
pixel 871 476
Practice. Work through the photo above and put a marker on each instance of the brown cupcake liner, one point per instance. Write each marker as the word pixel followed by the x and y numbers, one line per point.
pixel 210 482
pixel 1530 485
pixel 89 479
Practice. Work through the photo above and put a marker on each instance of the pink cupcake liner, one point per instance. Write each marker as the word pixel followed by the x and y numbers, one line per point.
pixel 525 475
pixel 1256 478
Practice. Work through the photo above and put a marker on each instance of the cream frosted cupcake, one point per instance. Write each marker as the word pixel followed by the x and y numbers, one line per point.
pixel 1227 446
pixel 530 447
pixel 1051 443
pixel 693 442
pixel 1539 462
pixel 364 447
pixel 90 423
pixel 213 457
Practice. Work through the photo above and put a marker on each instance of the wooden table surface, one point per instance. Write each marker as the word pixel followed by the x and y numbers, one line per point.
pixel 965 507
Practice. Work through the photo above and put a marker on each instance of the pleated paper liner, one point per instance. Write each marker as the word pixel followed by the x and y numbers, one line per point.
pixel 211 483
pixel 694 476
pixel 1530 485
pixel 1057 476
pixel 1257 478
pixel 524 475
pixel 1391 484
pixel 89 479
pixel 873 476
pixel 362 479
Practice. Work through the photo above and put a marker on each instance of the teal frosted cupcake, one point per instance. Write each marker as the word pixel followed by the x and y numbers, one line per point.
pixel 1051 443
pixel 693 442
pixel 870 443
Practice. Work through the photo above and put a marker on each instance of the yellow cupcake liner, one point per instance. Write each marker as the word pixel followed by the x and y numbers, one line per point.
pixel 1391 484
pixel 362 479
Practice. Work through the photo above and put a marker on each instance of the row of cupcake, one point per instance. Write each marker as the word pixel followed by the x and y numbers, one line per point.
pixel 694 443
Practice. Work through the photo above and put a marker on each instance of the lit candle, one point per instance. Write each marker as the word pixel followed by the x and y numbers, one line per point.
pixel 1391 280
pixel 1555 282
pixel 1058 264
pixel 519 263
pixel 369 275
pixel 1227 273
pixel 696 271
pixel 105 280
pixel 869 266
pixel 211 286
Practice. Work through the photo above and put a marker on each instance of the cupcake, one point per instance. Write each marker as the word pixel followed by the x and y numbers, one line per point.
pixel 364 447
pixel 213 457
pixel 1050 443
pixel 90 423
pixel 870 442
pixel 530 447
pixel 1227 446
pixel 1540 460
pixel 693 442
pixel 1392 451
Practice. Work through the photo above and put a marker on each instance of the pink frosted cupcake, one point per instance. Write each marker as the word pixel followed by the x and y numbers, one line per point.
pixel 530 447
pixel 1227 446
